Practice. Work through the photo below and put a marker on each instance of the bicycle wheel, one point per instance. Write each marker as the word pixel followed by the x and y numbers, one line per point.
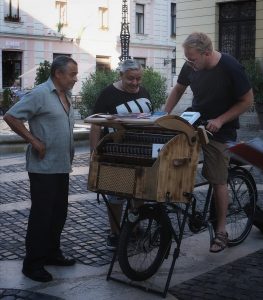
pixel 241 207
pixel 144 243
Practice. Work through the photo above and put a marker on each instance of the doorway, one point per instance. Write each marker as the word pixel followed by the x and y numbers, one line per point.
pixel 11 67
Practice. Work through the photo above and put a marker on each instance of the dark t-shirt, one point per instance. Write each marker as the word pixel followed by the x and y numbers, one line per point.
pixel 216 90
pixel 113 101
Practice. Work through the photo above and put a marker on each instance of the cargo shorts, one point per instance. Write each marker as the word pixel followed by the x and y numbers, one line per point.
pixel 216 162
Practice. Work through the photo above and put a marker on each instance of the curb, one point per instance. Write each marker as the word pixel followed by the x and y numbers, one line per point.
pixel 14 138
pixel 14 144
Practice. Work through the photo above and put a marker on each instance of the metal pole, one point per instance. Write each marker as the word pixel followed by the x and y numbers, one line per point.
pixel 125 32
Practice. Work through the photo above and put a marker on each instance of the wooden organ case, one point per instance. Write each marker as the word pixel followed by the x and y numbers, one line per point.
pixel 152 160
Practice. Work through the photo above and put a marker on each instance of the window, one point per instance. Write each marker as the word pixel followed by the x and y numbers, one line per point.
pixel 173 19
pixel 141 61
pixel 12 7
pixel 237 29
pixel 139 22
pixel 11 66
pixel 61 6
pixel 102 63
pixel 104 18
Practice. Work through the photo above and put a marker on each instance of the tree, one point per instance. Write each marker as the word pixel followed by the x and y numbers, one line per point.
pixel 7 99
pixel 156 85
pixel 43 72
pixel 97 81
pixel 255 75
pixel 92 87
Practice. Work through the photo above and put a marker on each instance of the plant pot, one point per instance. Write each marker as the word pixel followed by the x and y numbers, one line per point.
pixel 259 110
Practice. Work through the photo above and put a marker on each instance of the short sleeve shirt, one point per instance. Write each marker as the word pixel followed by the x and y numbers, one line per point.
pixel 113 101
pixel 50 123
pixel 216 90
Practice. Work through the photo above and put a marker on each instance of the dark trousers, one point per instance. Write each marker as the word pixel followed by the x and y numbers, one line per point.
pixel 49 205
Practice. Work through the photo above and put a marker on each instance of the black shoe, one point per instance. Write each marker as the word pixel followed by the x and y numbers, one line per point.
pixel 112 241
pixel 40 274
pixel 61 261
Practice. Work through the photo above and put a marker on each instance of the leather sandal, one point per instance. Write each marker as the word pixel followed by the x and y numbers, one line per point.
pixel 220 241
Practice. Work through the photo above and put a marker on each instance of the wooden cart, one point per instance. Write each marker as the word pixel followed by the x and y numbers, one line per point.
pixel 146 159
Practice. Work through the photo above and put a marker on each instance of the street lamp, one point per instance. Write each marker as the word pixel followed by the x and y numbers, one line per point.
pixel 125 32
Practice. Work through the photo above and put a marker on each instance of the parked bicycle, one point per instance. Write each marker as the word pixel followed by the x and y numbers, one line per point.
pixel 147 234
pixel 154 161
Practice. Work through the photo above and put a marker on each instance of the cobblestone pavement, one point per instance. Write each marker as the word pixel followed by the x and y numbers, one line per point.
pixel 13 294
pixel 85 231
pixel 87 227
pixel 239 280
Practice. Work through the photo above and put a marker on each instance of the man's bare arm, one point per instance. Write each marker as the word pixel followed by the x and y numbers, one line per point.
pixel 18 127
pixel 174 97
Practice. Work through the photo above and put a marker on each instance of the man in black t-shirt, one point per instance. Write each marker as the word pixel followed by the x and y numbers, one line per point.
pixel 123 96
pixel 221 93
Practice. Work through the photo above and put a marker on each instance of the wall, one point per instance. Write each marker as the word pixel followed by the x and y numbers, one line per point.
pixel 38 38
pixel 202 15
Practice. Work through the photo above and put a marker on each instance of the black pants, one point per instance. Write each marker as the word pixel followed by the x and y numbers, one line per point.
pixel 49 205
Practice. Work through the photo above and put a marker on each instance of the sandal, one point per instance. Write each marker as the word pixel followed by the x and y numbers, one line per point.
pixel 220 241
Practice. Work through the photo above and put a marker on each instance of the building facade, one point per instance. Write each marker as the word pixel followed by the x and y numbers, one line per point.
pixel 88 31
pixel 235 27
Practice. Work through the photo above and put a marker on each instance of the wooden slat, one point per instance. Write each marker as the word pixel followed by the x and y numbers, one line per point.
pixel 171 175
pixel 177 179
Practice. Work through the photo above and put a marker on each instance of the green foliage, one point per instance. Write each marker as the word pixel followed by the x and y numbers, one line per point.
pixel 7 99
pixel 97 81
pixel 255 75
pixel 92 87
pixel 43 72
pixel 156 85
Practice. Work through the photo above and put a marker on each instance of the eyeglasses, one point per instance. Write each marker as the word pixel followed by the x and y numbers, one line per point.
pixel 189 62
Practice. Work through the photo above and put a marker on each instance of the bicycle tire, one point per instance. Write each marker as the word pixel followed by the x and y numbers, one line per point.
pixel 140 255
pixel 241 207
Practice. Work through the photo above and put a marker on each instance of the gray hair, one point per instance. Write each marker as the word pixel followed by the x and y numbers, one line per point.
pixel 129 64
pixel 199 41
pixel 60 63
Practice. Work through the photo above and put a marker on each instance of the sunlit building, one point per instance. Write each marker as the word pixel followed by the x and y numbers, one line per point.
pixel 88 31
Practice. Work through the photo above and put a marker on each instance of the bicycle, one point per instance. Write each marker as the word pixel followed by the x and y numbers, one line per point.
pixel 147 233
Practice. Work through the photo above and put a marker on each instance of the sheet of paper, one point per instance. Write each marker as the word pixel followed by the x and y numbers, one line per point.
pixel 156 148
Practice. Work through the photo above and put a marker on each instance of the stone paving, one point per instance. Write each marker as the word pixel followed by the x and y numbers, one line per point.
pixel 87 227
pixel 14 294
pixel 239 280
pixel 85 230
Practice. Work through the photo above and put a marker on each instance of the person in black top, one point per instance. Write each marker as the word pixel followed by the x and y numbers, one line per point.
pixel 221 92
pixel 123 96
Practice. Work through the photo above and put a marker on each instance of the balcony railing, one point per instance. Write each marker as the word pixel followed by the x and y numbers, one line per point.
pixel 14 18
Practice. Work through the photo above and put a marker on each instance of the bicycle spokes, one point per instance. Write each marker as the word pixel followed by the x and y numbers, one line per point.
pixel 241 194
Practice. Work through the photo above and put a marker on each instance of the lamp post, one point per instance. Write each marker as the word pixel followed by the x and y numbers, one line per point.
pixel 125 32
